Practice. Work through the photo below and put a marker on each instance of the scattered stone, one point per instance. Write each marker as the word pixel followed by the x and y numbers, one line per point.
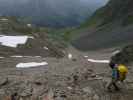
pixel 50 95
pixel 39 82
pixel 129 86
pixel 2 92
pixel 7 98
pixel 93 75
pixel 69 88
pixel 3 81
pixel 27 91
pixel 98 78
pixel 88 90
pixel 60 95
pixel 74 59
pixel 96 97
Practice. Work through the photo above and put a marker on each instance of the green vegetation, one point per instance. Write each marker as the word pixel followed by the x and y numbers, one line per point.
pixel 95 19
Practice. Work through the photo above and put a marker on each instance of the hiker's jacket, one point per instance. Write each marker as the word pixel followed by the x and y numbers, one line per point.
pixel 118 74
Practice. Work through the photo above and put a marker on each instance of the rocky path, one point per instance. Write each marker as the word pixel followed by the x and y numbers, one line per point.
pixel 61 79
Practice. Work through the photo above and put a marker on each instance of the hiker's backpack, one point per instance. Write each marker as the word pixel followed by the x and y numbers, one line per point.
pixel 122 69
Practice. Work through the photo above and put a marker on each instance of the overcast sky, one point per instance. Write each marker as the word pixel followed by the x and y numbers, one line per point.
pixel 77 9
pixel 83 1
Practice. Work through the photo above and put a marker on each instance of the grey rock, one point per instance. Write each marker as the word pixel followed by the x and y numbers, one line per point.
pixel 27 91
pixel 93 75
pixel 88 90
pixel 40 81
pixel 2 92
pixel 96 97
pixel 3 81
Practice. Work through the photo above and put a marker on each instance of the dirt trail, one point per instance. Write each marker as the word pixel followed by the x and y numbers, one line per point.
pixel 62 79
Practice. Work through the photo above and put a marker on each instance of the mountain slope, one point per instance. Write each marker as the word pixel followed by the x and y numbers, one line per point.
pixel 110 26
pixel 40 43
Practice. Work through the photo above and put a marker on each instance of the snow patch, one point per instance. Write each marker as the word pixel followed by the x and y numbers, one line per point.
pixel 70 56
pixel 4 19
pixel 29 25
pixel 30 64
pixel 115 52
pixel 70 88
pixel 86 56
pixel 17 56
pixel 25 56
pixel 46 48
pixel 2 57
pixel 13 41
pixel 98 61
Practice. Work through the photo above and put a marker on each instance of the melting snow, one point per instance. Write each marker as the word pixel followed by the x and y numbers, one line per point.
pixel 69 56
pixel 30 64
pixel 4 19
pixel 13 41
pixel 25 56
pixel 29 25
pixel 17 56
pixel 86 56
pixel 98 61
pixel 70 88
pixel 46 48
pixel 115 52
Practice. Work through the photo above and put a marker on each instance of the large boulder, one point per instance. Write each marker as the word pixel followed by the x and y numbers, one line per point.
pixel 125 56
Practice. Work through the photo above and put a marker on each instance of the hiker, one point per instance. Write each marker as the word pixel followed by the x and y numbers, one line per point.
pixel 112 64
pixel 118 74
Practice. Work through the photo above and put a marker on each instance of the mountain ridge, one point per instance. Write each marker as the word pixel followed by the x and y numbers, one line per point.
pixel 112 27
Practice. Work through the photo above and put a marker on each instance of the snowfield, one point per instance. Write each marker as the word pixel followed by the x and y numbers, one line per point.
pixel 13 41
pixel 98 61
pixel 31 64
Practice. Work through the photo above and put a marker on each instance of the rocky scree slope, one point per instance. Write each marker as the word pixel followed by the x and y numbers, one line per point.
pixel 110 26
